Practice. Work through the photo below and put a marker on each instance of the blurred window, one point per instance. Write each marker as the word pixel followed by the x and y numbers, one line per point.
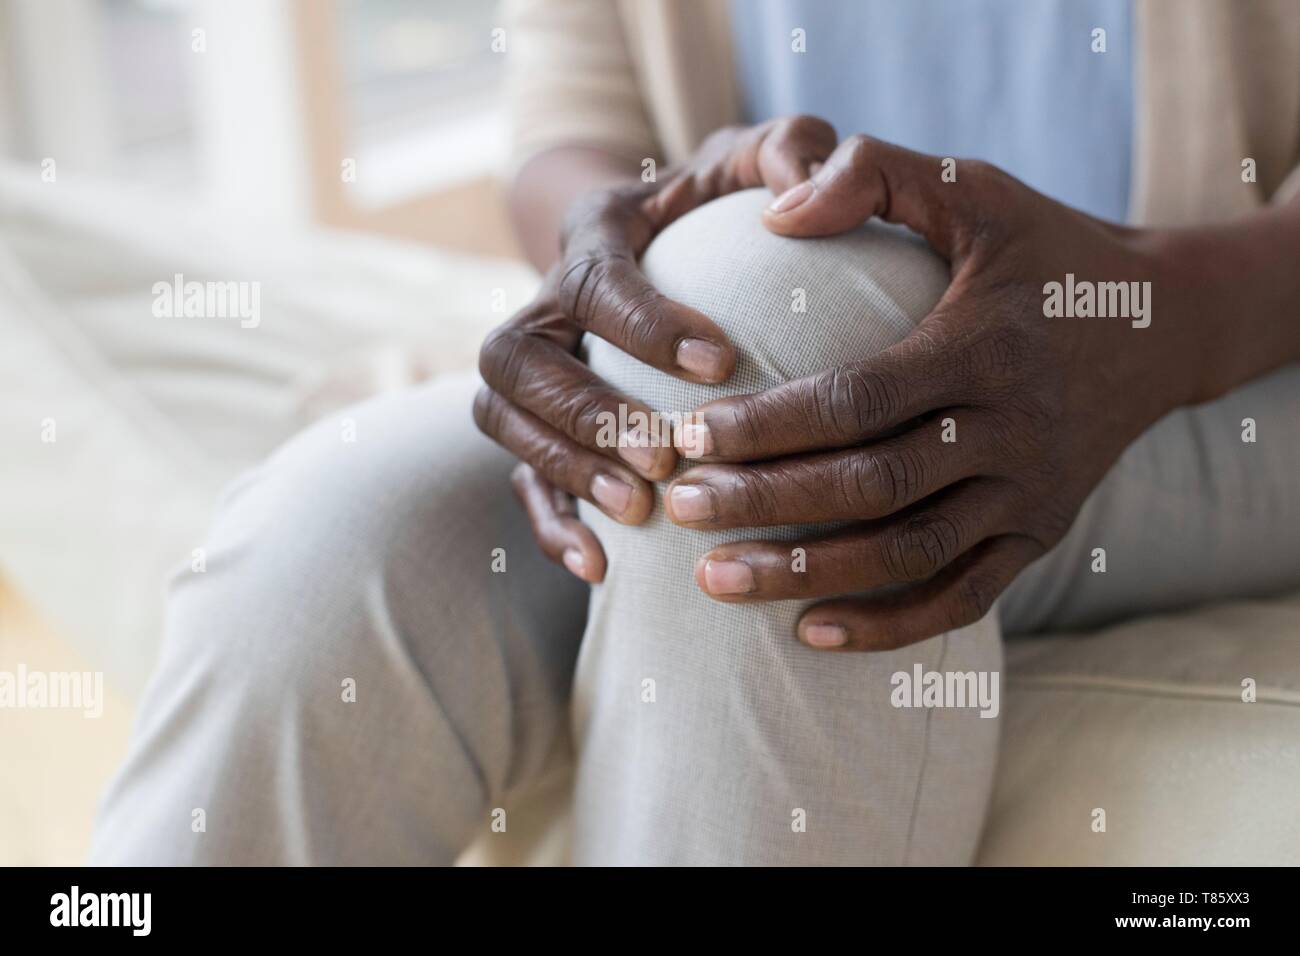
pixel 112 87
pixel 101 85
pixel 422 93
pixel 147 47
pixel 409 63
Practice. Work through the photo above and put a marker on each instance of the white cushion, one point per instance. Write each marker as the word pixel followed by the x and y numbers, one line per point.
pixel 1146 721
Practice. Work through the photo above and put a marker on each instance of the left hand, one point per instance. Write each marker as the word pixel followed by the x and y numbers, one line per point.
pixel 542 403
pixel 1041 408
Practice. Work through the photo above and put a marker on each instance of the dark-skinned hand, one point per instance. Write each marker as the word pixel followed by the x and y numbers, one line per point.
pixel 544 405
pixel 1040 408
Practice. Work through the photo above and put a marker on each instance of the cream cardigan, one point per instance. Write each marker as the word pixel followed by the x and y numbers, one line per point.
pixel 1218 82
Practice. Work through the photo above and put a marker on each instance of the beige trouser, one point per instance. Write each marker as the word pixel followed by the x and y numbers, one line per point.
pixel 356 676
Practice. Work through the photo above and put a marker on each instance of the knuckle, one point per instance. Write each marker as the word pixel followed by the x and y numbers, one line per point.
pixel 600 288
pixel 850 403
pixel 861 148
pixel 579 412
pixel 979 172
pixel 500 359
pixel 582 283
pixel 555 463
pixel 859 485
pixel 877 485
pixel 637 323
pixel 992 213
pixel 923 546
pixel 748 413
pixel 719 149
pixel 902 476
pixel 994 184
pixel 805 126
pixel 757 494
pixel 864 155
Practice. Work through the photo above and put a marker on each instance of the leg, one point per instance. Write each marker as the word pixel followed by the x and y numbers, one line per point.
pixel 348 680
pixel 744 731
pixel 120 428
pixel 1191 513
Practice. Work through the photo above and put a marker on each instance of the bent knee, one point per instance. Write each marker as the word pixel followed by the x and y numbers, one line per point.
pixel 792 307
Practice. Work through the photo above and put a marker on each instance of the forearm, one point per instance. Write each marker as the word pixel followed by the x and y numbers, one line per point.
pixel 546 185
pixel 1238 284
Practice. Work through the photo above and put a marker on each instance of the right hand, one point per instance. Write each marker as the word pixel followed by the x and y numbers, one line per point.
pixel 544 405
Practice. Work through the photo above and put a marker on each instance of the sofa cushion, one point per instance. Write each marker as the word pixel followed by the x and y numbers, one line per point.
pixel 1146 721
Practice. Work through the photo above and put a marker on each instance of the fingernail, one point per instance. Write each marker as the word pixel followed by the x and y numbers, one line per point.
pixel 794 196
pixel 574 561
pixel 825 635
pixel 690 503
pixel 702 358
pixel 611 494
pixel 635 448
pixel 695 441
pixel 728 577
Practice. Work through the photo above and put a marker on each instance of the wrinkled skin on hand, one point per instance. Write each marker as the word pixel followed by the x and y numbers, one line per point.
pixel 1037 408
pixel 544 405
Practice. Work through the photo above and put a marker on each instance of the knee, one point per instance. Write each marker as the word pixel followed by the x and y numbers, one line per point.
pixel 791 307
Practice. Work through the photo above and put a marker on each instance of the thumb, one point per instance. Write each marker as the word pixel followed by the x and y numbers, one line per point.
pixel 865 177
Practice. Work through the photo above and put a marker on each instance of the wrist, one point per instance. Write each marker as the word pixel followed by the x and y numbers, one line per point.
pixel 1162 359
pixel 1230 299
pixel 1188 341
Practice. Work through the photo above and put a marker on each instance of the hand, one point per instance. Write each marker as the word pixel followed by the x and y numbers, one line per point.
pixel 544 405
pixel 1039 408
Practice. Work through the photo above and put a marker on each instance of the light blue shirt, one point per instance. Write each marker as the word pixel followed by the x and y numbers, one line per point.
pixel 1014 82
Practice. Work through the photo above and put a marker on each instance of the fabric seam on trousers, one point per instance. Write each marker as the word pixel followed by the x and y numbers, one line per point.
pixel 925 757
